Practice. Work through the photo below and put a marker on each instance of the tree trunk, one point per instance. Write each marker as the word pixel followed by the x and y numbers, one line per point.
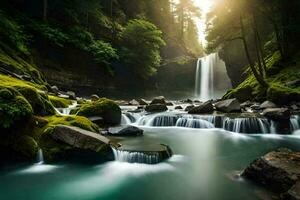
pixel 45 8
pixel 257 76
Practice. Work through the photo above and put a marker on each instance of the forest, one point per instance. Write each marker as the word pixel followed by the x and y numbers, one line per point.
pixel 149 99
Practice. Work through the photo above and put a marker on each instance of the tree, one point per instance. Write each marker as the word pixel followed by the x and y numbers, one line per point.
pixel 141 42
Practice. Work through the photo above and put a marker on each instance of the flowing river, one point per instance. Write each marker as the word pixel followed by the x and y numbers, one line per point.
pixel 205 165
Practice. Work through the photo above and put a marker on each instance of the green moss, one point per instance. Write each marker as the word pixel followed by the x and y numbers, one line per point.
pixel 281 94
pixel 105 108
pixel 32 92
pixel 13 109
pixel 26 147
pixel 278 74
pixel 77 121
pixel 60 102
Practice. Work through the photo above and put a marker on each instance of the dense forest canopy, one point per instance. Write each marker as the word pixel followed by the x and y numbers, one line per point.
pixel 136 33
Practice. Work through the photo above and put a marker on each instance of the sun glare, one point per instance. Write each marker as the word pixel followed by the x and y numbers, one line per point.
pixel 204 5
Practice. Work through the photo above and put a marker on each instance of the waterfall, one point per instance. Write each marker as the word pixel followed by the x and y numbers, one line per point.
pixel 67 111
pixel 295 123
pixel 40 157
pixel 136 157
pixel 211 79
pixel 193 123
pixel 125 120
pixel 247 125
pixel 164 120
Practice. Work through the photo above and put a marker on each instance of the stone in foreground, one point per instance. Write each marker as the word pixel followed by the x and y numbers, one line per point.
pixel 81 139
pixel 278 171
pixel 277 114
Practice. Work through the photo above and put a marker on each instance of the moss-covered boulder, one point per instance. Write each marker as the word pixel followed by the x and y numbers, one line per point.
pixel 13 108
pixel 105 108
pixel 281 94
pixel 26 147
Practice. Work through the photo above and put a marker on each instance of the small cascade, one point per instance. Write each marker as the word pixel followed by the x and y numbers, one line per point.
pixel 295 123
pixel 125 120
pixel 40 157
pixel 136 157
pixel 247 125
pixel 193 123
pixel 67 111
pixel 164 120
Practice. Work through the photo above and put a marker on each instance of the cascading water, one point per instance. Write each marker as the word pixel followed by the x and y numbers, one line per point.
pixel 67 111
pixel 295 123
pixel 194 123
pixel 40 157
pixel 247 125
pixel 136 157
pixel 207 83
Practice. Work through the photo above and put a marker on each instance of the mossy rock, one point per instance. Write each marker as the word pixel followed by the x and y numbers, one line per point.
pixel 39 101
pixel 282 95
pixel 60 102
pixel 26 147
pixel 105 108
pixel 13 108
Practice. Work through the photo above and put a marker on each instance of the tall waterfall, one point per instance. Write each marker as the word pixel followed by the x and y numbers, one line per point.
pixel 211 79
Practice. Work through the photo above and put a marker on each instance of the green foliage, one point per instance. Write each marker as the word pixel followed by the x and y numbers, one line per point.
pixel 281 94
pixel 60 102
pixel 105 108
pixel 11 30
pixel 141 44
pixel 53 34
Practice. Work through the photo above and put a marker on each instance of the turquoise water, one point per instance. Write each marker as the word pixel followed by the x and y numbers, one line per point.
pixel 203 167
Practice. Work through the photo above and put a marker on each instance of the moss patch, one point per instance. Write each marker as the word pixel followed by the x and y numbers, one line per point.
pixel 26 147
pixel 279 74
pixel 60 102
pixel 105 108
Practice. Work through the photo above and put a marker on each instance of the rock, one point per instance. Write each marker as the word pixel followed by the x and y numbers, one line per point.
pixel 294 107
pixel 125 131
pixel 206 107
pixel 189 107
pixel 247 104
pixel 64 96
pixel 230 105
pixel 178 108
pixel 267 104
pixel 169 104
pixel 55 89
pixel 142 102
pixel 71 95
pixel 158 100
pixel 187 101
pixel 82 140
pixel 277 114
pixel 197 101
pixel 97 120
pixel 134 102
pixel 156 108
pixel 278 171
pixel 105 108
pixel 94 97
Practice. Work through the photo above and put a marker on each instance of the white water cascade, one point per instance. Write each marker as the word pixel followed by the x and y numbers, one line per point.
pixel 40 157
pixel 211 80
pixel 136 157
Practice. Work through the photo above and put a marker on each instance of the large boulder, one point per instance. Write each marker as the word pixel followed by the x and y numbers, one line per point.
pixel 105 108
pixel 278 171
pixel 206 107
pixel 71 95
pixel 229 105
pixel 156 108
pixel 158 100
pixel 189 107
pixel 124 131
pixel 81 140
pixel 134 102
pixel 277 114
pixel 267 104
